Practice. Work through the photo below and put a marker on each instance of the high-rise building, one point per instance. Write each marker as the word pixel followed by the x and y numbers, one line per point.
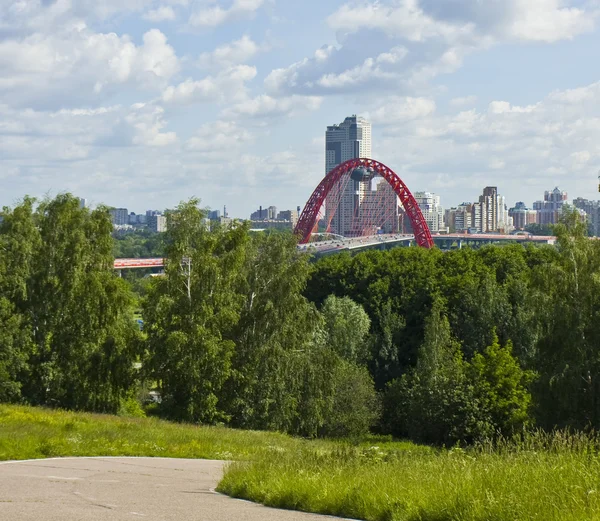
pixel 432 210
pixel 489 209
pixel 548 210
pixel 119 216
pixel 505 221
pixel 459 219
pixel 83 203
pixel 592 211
pixel 348 140
pixel 157 223
pixel 214 215
pixel 522 216
pixel 288 215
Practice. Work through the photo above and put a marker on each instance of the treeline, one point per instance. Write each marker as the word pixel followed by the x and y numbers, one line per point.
pixel 243 330
pixel 228 336
pixel 471 343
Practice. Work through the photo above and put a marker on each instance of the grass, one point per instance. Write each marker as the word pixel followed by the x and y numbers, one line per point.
pixel 547 478
pixel 543 477
pixel 28 433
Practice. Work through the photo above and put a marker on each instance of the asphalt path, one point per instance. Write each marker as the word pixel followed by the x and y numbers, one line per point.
pixel 102 489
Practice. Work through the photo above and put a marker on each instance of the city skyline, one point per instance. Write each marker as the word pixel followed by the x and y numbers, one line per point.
pixel 144 104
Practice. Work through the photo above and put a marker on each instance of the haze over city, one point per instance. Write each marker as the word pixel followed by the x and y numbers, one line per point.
pixel 145 103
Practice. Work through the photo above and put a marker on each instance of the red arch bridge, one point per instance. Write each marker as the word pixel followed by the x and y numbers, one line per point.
pixel 345 197
pixel 364 221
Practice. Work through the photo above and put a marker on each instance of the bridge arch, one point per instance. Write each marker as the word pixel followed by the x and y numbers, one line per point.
pixel 310 215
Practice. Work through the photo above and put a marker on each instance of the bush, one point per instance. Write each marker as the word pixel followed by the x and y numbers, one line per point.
pixel 355 404
pixel 131 408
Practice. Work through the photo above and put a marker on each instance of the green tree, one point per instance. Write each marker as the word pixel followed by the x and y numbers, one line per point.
pixel 355 406
pixel 433 402
pixel 274 333
pixel 190 312
pixel 15 347
pixel 347 327
pixel 61 284
pixel 500 388
pixel 567 296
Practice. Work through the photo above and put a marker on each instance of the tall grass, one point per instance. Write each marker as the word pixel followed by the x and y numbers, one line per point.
pixel 28 432
pixel 539 477
pixel 545 477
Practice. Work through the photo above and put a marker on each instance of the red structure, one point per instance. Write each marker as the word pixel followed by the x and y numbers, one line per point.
pixel 121 264
pixel 310 215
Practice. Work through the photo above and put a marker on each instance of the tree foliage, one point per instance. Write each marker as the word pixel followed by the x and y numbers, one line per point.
pixel 65 313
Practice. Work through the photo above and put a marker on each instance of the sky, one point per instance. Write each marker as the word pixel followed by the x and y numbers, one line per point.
pixel 145 103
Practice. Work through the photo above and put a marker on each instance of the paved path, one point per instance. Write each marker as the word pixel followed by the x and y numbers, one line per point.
pixel 112 489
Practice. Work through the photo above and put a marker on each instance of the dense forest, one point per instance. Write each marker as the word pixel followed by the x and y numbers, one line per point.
pixel 242 330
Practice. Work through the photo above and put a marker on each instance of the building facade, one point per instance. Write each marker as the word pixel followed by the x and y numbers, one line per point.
pixel 119 216
pixel 157 223
pixel 348 140
pixel 549 210
pixel 431 208
pixel 459 219
pixel 522 216
pixel 592 212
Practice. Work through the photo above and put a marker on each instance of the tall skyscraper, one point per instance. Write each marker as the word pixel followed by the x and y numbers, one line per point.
pixel 348 140
pixel 489 209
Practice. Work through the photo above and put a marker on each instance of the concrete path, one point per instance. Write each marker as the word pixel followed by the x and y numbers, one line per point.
pixel 111 489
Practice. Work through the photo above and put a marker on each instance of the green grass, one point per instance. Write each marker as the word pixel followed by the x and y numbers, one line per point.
pixel 544 477
pixel 28 432
pixel 547 479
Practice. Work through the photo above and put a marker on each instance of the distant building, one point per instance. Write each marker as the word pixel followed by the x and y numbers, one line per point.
pixel 272 224
pixel 489 209
pixel 548 210
pixel 348 140
pixel 259 214
pixel 432 210
pixel 119 216
pixel 83 203
pixel 214 215
pixel 592 212
pixel 288 215
pixel 490 214
pixel 459 219
pixel 157 223
pixel 522 216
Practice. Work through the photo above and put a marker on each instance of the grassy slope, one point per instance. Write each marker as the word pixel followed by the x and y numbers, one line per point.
pixel 556 483
pixel 548 480
pixel 27 432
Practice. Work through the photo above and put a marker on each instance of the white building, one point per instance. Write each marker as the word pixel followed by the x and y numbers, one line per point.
pixel 432 210
pixel 350 139
pixel 157 223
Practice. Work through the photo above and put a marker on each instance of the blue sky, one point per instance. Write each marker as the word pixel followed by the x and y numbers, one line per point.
pixel 144 103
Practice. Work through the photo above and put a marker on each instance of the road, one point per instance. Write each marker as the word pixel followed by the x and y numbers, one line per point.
pixel 103 489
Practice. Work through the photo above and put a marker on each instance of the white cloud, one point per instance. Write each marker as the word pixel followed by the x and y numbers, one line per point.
pixel 404 44
pixel 147 122
pixel 229 85
pixel 267 106
pixel 217 15
pixel 401 109
pixel 219 136
pixel 79 64
pixel 463 101
pixel 552 142
pixel 237 51
pixel 403 19
pixel 160 14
